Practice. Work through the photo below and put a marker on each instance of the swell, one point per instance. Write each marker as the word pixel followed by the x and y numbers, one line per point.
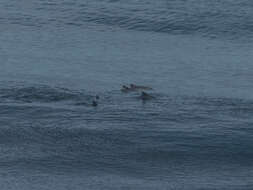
pixel 123 151
pixel 199 132
pixel 43 94
pixel 230 19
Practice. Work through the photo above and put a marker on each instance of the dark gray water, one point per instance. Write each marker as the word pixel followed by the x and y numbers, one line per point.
pixel 57 55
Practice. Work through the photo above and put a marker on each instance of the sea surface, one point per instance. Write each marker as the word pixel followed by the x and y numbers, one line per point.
pixel 57 55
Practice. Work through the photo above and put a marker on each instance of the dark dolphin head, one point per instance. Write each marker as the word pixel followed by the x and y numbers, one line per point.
pixel 125 87
pixel 94 103
pixel 144 94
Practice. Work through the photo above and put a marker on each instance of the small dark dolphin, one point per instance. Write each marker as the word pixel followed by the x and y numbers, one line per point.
pixel 146 96
pixel 125 88
pixel 94 103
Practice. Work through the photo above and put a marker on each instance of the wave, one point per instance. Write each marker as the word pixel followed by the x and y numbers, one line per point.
pixel 119 103
pixel 60 148
pixel 231 19
pixel 44 94
pixel 122 135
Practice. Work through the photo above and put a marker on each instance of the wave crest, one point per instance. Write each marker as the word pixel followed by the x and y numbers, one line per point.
pixel 40 94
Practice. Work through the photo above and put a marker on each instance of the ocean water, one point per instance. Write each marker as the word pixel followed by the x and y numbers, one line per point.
pixel 57 55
